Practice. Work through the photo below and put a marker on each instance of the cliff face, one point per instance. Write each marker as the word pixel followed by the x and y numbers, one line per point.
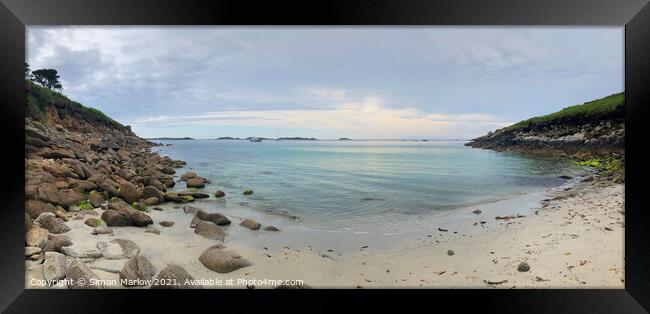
pixel 594 128
pixel 78 158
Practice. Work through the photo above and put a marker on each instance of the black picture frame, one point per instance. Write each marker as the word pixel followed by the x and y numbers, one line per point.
pixel 633 14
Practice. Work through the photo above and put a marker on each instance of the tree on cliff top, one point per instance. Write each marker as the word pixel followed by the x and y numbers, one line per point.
pixel 47 78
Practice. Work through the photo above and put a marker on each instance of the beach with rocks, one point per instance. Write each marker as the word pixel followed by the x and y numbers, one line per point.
pixel 104 211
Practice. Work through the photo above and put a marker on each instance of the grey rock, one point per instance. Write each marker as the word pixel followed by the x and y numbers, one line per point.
pixel 137 270
pixel 221 260
pixel 209 230
pixel 77 271
pixel 54 267
pixel 174 276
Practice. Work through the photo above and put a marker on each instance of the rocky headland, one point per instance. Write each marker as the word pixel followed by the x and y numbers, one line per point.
pixel 81 165
pixel 595 128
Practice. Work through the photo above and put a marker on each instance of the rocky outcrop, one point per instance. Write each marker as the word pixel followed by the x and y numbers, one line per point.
pixel 594 128
pixel 209 230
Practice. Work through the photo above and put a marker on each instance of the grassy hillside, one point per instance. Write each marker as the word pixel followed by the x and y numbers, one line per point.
pixel 38 98
pixel 612 106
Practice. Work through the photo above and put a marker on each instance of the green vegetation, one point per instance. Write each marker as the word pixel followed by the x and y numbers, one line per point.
pixel 39 97
pixel 138 206
pixel 85 205
pixel 186 198
pixel 606 164
pixel 612 105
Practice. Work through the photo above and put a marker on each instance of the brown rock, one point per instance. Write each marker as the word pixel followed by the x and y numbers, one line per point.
pixel 188 175
pixel 210 231
pixel 151 201
pixel 195 183
pixel 129 192
pixel 216 218
pixel 34 208
pixel 76 271
pixel 114 218
pixel 36 236
pixel 55 243
pixel 250 224
pixel 166 223
pixel 96 199
pixel 271 228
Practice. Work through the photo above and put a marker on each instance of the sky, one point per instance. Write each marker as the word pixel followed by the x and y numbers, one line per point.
pixel 329 82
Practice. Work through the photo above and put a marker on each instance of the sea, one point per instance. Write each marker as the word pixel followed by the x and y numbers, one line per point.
pixel 368 186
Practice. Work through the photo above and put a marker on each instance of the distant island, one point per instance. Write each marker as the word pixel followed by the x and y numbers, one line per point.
pixel 344 139
pixel 228 138
pixel 296 139
pixel 170 138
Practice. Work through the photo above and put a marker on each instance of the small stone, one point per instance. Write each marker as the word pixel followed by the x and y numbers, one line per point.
pixel 450 252
pixel 271 228
pixel 166 223
pixel 523 267
pixel 476 211
pixel 248 192
pixel 219 193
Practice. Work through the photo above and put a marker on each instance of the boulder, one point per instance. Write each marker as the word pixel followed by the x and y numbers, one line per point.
pixel 152 191
pixel 54 267
pixel 70 197
pixel 196 195
pixel 151 201
pixel 197 182
pixel 32 250
pixel 36 236
pixel 118 249
pixel 250 224
pixel 140 219
pixel 188 175
pixel 96 199
pixel 56 243
pixel 177 276
pixel 93 222
pixel 217 218
pixel 28 222
pixel 35 208
pixel 248 192
pixel 195 221
pixel 129 192
pixel 47 192
pixel 136 271
pixel 75 252
pixel 219 193
pixel 114 218
pixel 101 230
pixel 221 260
pixel 53 224
pixel 209 230
pixel 76 271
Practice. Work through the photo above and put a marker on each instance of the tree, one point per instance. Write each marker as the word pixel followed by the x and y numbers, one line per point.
pixel 27 71
pixel 47 78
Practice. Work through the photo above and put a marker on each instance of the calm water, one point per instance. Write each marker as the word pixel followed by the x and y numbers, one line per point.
pixel 349 185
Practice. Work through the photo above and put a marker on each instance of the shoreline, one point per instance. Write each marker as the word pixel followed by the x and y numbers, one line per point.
pixel 408 261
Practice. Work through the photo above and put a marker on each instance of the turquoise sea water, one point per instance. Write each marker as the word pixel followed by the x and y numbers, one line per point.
pixel 350 185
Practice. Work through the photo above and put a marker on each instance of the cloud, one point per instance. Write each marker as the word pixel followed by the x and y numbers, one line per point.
pixel 509 73
pixel 367 118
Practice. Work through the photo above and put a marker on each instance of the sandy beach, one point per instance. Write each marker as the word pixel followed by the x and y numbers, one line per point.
pixel 572 239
